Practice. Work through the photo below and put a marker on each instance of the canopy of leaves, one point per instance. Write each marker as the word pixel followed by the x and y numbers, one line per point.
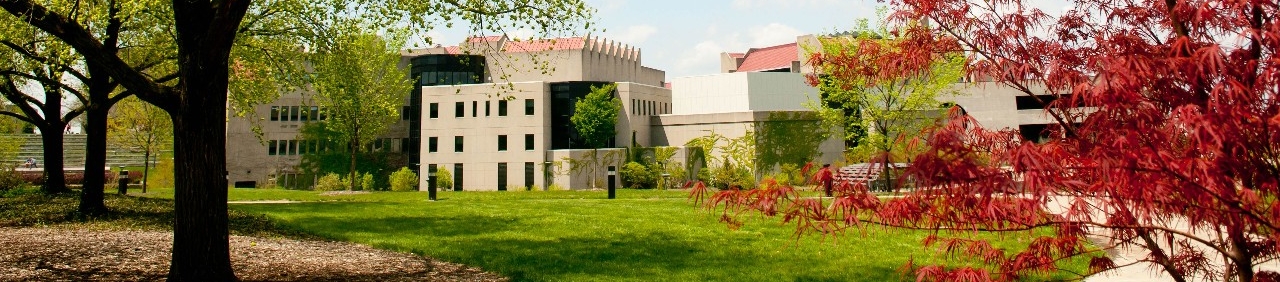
pixel 595 116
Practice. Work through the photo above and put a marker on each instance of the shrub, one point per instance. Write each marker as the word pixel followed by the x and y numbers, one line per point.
pixel 330 182
pixel 161 175
pixel 636 175
pixel 10 179
pixel 403 180
pixel 366 182
pixel 444 180
pixel 555 187
pixel 676 175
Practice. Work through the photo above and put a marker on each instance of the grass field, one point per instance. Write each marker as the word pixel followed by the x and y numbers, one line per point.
pixel 580 236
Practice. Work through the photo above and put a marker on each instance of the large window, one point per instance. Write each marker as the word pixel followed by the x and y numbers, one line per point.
pixel 502 176
pixel 502 143
pixel 434 110
pixel 457 177
pixel 528 142
pixel 293 113
pixel 271 147
pixel 528 176
pixel 475 109
pixel 275 113
pixel 528 107
pixel 502 108
pixel 457 144
pixel 432 143
pixel 460 109
pixel 486 108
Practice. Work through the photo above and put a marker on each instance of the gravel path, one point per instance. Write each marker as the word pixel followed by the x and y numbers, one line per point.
pixel 62 254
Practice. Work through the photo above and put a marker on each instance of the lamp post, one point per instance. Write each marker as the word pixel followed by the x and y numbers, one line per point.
pixel 431 184
pixel 124 181
pixel 613 174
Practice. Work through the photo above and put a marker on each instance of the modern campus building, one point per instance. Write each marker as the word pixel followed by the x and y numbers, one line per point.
pixel 495 111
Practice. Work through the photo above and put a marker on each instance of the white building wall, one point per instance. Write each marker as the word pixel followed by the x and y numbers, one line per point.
pixel 480 155
pixel 779 91
pixel 741 92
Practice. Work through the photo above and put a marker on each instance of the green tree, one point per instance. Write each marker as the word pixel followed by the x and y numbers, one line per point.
pixel 893 104
pixel 595 119
pixel 141 127
pixel 204 34
pixel 361 88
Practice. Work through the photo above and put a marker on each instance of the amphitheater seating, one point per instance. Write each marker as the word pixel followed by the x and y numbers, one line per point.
pixel 73 151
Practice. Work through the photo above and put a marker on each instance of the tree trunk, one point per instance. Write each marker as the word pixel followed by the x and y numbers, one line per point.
pixel 95 152
pixel 146 168
pixel 55 181
pixel 95 158
pixel 351 172
pixel 200 246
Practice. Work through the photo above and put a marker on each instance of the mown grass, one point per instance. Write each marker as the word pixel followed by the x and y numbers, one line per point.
pixel 580 236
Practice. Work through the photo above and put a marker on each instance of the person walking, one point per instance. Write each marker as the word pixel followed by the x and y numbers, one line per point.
pixel 826 177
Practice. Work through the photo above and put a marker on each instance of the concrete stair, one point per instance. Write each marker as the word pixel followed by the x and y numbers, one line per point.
pixel 73 151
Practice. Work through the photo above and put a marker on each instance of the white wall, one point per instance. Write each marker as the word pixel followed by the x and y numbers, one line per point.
pixel 740 92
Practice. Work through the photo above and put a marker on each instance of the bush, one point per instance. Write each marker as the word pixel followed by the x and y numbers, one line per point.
pixel 10 179
pixel 444 180
pixel 330 182
pixel 403 180
pixel 161 175
pixel 635 175
pixel 676 175
pixel 366 182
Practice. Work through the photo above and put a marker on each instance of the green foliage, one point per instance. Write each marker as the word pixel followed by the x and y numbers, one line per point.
pixel 737 160
pixel 637 176
pixel 366 182
pixel 10 179
pixel 161 175
pixel 789 138
pixel 444 179
pixel 331 182
pixel 595 116
pixel 404 180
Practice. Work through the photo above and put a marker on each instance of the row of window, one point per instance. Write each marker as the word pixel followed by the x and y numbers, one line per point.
pixel 302 147
pixel 649 108
pixel 433 143
pixel 460 109
pixel 297 113
pixel 502 175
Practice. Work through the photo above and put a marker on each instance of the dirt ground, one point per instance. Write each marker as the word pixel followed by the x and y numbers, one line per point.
pixel 65 254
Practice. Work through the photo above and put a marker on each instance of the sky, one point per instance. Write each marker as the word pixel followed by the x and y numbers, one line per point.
pixel 685 38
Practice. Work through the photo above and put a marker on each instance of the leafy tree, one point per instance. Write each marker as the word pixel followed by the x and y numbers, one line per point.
pixel 203 36
pixel 404 180
pixel 1175 153
pixel 894 100
pixel 141 127
pixel 595 119
pixel 361 88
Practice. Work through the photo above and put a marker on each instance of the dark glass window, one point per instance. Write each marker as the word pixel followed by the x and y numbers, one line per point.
pixel 323 114
pixel 502 143
pixel 502 108
pixel 502 176
pixel 275 113
pixel 271 148
pixel 528 176
pixel 486 108
pixel 460 109
pixel 475 108
pixel 457 144
pixel 315 113
pixel 435 110
pixel 528 107
pixel 404 112
pixel 293 148
pixel 528 142
pixel 457 177
pixel 432 142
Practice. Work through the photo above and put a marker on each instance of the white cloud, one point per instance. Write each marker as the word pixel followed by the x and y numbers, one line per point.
pixel 749 4
pixel 634 35
pixel 704 57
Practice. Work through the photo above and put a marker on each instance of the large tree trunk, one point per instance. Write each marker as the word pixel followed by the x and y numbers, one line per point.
pixel 95 153
pixel 200 247
pixel 55 181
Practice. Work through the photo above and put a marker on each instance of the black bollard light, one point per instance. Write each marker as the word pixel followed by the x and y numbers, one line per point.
pixel 124 181
pixel 613 187
pixel 431 184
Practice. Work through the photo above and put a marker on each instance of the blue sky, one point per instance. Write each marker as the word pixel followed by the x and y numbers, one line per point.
pixel 685 38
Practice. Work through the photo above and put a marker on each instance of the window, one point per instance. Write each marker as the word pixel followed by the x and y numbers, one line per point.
pixel 323 113
pixel 502 176
pixel 486 108
pixel 528 176
pixel 282 147
pixel 315 113
pixel 457 144
pixel 502 108
pixel 457 177
pixel 502 143
pixel 435 110
pixel 460 109
pixel 475 108
pixel 431 144
pixel 633 106
pixel 275 113
pixel 271 147
pixel 293 148
pixel 404 112
pixel 528 142
pixel 293 113
pixel 528 107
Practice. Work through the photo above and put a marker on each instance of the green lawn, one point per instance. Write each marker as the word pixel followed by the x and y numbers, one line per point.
pixel 575 236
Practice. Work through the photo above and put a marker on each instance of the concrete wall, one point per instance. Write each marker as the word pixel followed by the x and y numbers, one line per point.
pixel 994 105
pixel 677 130
pixel 591 169
pixel 480 155
pixel 740 92
pixel 639 104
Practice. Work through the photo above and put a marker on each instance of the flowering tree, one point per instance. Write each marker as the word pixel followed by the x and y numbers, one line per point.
pixel 1176 152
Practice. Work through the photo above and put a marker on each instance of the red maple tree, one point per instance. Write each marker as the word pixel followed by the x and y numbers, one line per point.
pixel 1167 141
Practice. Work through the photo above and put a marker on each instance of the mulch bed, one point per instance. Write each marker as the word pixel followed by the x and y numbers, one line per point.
pixel 77 254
